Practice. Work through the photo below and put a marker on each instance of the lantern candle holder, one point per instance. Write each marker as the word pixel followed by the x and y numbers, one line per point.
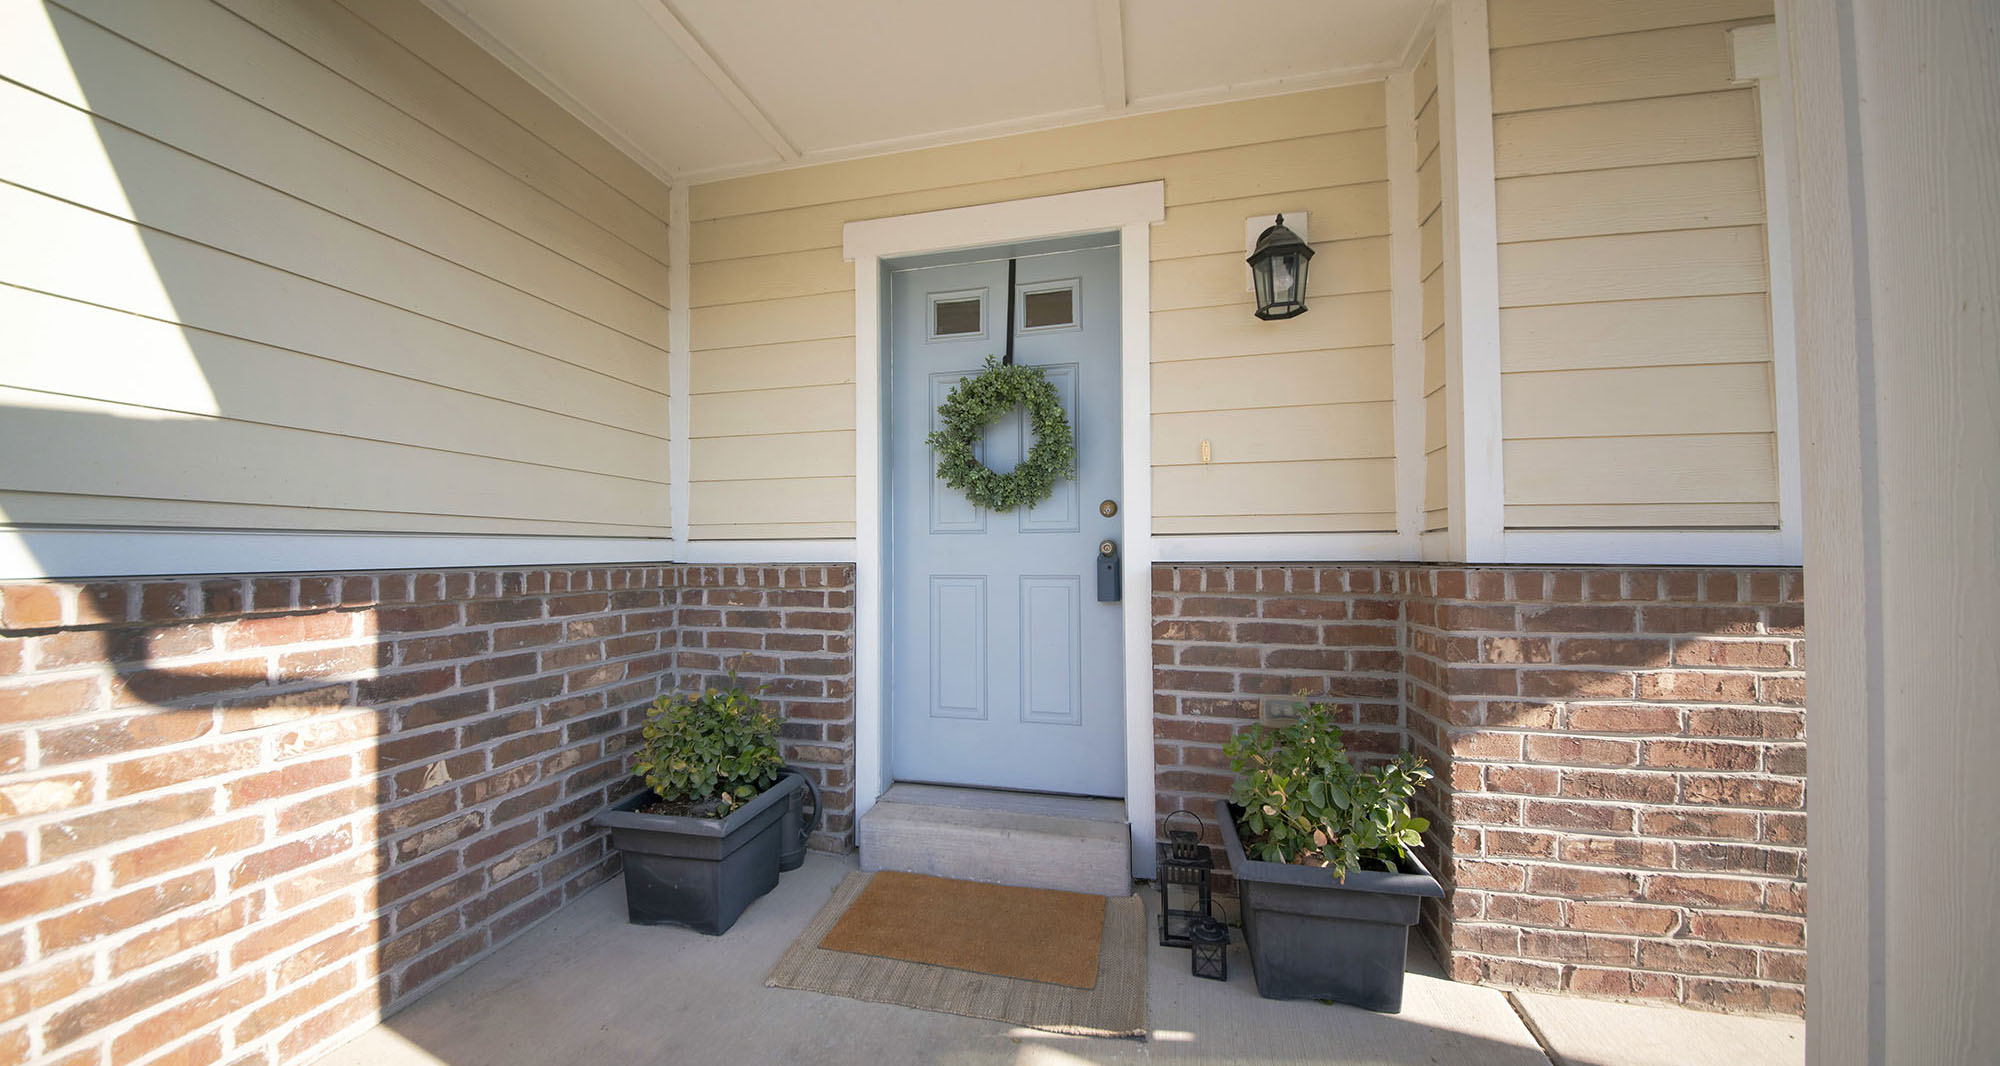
pixel 1209 947
pixel 1186 867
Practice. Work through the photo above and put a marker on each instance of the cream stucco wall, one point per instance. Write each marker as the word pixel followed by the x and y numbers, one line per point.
pixel 1634 293
pixel 1298 413
pixel 282 265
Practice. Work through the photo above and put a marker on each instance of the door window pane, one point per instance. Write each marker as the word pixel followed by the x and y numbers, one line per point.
pixel 957 316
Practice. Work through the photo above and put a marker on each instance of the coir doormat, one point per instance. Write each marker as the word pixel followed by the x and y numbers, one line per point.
pixel 1050 960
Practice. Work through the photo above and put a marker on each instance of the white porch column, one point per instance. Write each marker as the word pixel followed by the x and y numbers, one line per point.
pixel 1897 120
pixel 1471 285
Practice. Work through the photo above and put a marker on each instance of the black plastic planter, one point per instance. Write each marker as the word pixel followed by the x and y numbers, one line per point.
pixel 698 872
pixel 1313 936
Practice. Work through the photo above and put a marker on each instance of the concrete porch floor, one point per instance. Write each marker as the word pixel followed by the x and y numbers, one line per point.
pixel 587 987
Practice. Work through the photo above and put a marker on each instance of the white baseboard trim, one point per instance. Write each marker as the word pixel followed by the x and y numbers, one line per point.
pixel 1619 547
pixel 27 554
pixel 1277 548
pixel 765 552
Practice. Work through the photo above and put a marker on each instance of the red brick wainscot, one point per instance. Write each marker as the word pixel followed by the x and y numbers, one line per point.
pixel 245 816
pixel 1236 645
pixel 1620 753
pixel 787 631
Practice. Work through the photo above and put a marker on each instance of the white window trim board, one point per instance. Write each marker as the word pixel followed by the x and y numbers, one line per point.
pixel 1406 314
pixel 1129 210
pixel 1757 59
pixel 680 366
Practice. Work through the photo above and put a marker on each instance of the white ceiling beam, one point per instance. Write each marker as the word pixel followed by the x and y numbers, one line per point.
pixel 697 53
pixel 1111 53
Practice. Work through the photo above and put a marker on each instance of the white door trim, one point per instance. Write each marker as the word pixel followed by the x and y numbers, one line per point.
pixel 1129 210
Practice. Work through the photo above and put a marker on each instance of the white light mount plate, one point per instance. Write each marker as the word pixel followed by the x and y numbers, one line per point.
pixel 1254 228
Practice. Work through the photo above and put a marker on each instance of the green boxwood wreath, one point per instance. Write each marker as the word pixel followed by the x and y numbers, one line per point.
pixel 977 401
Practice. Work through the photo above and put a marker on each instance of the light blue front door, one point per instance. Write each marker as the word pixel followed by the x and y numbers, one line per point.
pixel 1005 667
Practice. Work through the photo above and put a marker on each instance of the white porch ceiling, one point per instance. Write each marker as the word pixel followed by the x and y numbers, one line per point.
pixel 699 89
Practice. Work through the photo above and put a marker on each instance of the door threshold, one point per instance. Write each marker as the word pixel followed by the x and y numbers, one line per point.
pixel 1010 801
pixel 1000 788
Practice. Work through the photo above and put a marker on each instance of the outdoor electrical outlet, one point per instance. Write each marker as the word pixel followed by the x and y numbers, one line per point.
pixel 1283 708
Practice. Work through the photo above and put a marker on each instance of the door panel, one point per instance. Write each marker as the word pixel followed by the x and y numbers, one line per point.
pixel 1005 671
pixel 958 646
pixel 1051 623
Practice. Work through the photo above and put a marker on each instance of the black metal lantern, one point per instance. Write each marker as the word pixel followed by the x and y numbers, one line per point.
pixel 1278 266
pixel 1209 947
pixel 1185 866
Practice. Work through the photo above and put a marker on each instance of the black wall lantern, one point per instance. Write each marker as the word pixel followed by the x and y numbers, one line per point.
pixel 1278 266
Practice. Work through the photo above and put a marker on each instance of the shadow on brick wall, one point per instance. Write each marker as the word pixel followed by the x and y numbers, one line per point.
pixel 265 810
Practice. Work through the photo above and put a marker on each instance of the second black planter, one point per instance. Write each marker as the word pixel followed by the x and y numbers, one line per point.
pixel 698 872
pixel 1313 936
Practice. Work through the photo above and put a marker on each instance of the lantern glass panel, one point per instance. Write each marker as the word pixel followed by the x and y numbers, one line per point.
pixel 1284 270
pixel 1295 267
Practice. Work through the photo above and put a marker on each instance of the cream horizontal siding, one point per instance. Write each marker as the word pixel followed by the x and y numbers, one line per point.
pixel 1297 413
pixel 1431 267
pixel 1634 322
pixel 269 266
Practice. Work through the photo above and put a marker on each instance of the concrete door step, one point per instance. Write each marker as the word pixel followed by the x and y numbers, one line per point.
pixel 1003 838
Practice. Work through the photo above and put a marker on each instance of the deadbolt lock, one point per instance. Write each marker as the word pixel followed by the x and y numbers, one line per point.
pixel 1108 508
pixel 1108 579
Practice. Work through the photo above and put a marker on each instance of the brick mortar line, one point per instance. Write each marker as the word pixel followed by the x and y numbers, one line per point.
pixel 1530 923
pixel 361 919
pixel 265 811
pixel 1636 939
pixel 1527 865
pixel 112 671
pixel 1601 965
pixel 221 869
pixel 1617 835
pixel 1627 868
pixel 194 592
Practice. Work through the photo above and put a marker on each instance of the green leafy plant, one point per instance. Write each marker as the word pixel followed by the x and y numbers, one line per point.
pixel 1304 801
pixel 716 748
pixel 983 397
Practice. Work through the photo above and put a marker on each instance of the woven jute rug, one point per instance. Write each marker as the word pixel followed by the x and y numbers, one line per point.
pixel 1114 1003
